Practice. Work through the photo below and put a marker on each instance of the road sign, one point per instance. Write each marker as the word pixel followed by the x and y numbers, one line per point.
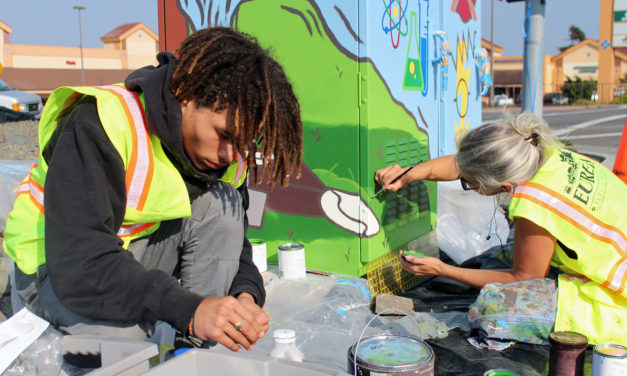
pixel 620 16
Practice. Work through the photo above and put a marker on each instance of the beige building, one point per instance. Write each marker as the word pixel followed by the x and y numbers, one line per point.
pixel 580 60
pixel 40 69
pixel 5 31
pixel 139 45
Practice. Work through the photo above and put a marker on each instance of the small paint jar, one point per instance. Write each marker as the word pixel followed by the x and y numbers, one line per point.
pixel 292 261
pixel 260 257
pixel 609 360
pixel 568 350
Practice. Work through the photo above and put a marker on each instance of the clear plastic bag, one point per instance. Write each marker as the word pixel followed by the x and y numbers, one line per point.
pixel 44 357
pixel 468 223
pixel 328 315
pixel 522 311
pixel 11 175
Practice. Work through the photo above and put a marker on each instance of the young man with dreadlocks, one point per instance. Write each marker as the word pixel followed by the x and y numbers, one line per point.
pixel 134 211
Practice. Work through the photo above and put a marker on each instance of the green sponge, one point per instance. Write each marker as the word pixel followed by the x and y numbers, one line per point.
pixel 414 254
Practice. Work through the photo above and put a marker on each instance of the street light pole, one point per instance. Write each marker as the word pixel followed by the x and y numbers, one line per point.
pixel 533 68
pixel 492 54
pixel 80 33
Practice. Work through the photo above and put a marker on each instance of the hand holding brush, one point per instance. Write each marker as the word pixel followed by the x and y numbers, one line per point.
pixel 397 178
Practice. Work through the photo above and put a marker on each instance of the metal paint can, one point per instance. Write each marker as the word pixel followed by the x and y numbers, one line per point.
pixel 500 372
pixel 568 350
pixel 391 355
pixel 292 261
pixel 609 360
pixel 260 256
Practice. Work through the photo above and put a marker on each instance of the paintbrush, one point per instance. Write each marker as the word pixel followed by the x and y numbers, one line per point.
pixel 398 177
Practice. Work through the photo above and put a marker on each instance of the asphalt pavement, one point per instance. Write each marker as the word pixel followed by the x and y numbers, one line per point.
pixel 593 130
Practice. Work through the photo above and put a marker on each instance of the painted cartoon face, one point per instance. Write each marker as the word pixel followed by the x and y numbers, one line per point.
pixel 206 137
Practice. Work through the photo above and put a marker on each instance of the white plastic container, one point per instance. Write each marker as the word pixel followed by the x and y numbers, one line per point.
pixel 284 346
pixel 223 362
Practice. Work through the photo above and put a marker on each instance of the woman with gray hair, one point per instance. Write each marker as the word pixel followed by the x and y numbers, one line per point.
pixel 569 212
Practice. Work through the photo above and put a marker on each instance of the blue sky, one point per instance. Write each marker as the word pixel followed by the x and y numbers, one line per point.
pixel 54 22
pixel 559 16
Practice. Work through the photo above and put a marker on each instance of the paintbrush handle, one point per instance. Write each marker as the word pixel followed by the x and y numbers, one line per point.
pixel 403 174
pixel 398 177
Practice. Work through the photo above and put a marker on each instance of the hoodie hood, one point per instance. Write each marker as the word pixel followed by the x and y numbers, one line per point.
pixel 163 114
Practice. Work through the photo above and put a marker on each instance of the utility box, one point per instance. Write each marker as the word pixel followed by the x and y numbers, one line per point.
pixel 379 82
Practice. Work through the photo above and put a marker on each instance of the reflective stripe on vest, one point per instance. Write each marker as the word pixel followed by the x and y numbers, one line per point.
pixel 585 222
pixel 236 172
pixel 140 168
pixel 33 188
pixel 128 230
pixel 241 169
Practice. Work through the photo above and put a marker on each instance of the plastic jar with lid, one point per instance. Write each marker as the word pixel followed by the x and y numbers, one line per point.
pixel 567 353
pixel 284 346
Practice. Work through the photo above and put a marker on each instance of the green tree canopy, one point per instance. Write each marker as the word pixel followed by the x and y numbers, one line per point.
pixel 578 88
pixel 575 34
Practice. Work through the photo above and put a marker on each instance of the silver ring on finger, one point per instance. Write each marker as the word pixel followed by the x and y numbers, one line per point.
pixel 238 325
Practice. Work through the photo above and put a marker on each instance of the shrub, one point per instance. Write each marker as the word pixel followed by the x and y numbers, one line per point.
pixel 578 88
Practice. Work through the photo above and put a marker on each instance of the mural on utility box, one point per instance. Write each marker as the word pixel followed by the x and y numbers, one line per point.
pixel 373 82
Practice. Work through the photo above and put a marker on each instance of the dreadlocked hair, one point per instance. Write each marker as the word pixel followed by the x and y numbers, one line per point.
pixel 220 68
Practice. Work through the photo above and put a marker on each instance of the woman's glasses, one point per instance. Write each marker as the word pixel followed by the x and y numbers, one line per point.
pixel 465 185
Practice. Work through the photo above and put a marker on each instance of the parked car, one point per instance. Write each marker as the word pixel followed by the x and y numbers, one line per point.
pixel 555 98
pixel 503 100
pixel 20 101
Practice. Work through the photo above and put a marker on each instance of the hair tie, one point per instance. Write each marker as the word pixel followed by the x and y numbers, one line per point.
pixel 533 139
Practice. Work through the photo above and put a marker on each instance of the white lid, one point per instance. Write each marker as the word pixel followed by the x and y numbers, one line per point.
pixel 284 334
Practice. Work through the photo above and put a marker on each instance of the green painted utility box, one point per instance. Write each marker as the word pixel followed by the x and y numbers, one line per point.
pixel 379 82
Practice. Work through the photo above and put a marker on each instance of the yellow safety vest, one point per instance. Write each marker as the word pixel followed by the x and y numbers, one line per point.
pixel 583 205
pixel 155 190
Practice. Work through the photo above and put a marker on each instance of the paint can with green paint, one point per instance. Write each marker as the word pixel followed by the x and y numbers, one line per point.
pixel 500 372
pixel 391 355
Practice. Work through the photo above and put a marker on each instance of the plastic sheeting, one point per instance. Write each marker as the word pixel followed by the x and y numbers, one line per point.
pixel 468 223
pixel 329 313
pixel 11 175
pixel 42 358
pixel 454 355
